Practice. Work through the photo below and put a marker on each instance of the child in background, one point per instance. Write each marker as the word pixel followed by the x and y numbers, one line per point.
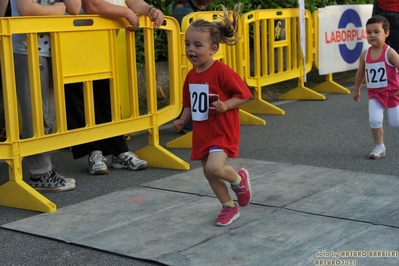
pixel 212 93
pixel 181 8
pixel 379 64
pixel 43 176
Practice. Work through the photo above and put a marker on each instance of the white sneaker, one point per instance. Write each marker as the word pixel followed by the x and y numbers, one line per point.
pixel 97 164
pixel 128 160
pixel 377 153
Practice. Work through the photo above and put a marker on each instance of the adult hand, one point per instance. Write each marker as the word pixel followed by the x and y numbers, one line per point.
pixel 60 8
pixel 156 16
pixel 133 20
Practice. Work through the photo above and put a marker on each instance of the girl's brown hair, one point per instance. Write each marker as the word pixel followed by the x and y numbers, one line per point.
pixel 221 31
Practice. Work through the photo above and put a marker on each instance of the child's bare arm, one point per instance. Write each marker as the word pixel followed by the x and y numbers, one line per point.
pixel 30 8
pixel 359 77
pixel 73 7
pixel 185 117
pixel 231 103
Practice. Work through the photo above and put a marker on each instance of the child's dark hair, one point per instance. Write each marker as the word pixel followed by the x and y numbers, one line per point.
pixel 379 19
pixel 221 31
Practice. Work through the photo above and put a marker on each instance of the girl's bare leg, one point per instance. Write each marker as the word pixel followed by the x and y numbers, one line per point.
pixel 217 172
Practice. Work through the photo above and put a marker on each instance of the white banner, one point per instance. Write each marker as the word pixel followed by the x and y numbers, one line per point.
pixel 342 37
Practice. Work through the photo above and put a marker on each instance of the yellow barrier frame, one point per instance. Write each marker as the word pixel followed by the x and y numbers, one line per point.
pixel 278 59
pixel 77 58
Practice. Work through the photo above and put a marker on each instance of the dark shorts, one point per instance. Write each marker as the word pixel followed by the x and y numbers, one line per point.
pixel 180 12
pixel 393 19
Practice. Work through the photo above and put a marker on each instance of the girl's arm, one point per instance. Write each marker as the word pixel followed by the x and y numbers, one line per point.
pixel 230 104
pixel 185 117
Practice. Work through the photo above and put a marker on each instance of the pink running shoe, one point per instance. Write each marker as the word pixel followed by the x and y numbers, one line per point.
pixel 227 215
pixel 243 191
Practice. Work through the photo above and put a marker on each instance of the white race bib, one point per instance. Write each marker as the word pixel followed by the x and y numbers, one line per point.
pixel 199 95
pixel 376 75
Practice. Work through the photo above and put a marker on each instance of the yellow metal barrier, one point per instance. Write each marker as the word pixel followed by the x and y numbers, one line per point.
pixel 84 48
pixel 230 55
pixel 328 86
pixel 276 57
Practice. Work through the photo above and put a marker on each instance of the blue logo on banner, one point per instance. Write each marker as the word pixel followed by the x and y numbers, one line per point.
pixel 350 16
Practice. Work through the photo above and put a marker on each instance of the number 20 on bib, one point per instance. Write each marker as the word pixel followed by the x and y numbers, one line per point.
pixel 199 95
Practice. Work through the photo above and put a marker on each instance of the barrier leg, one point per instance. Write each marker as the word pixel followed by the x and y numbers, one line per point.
pixel 301 93
pixel 249 119
pixel 159 157
pixel 183 142
pixel 260 106
pixel 18 194
pixel 330 86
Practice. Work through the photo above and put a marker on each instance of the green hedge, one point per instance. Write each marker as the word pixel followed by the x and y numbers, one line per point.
pixel 249 5
pixel 161 48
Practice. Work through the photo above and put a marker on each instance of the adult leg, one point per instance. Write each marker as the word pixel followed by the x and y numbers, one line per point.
pixel 393 19
pixel 39 163
pixel 116 146
pixel 76 118
pixel 43 176
pixel 102 104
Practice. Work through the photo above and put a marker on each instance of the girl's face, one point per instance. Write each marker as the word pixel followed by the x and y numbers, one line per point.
pixel 199 49
pixel 376 35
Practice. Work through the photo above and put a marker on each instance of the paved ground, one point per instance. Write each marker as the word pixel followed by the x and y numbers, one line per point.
pixel 331 135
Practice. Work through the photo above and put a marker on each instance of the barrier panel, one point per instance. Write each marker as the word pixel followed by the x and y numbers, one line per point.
pixel 328 86
pixel 272 43
pixel 339 30
pixel 84 48
pixel 230 55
